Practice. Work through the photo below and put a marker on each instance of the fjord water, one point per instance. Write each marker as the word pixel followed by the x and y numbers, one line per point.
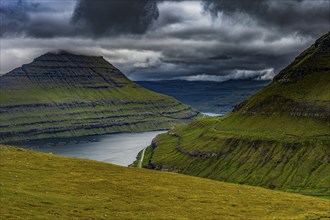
pixel 211 114
pixel 120 149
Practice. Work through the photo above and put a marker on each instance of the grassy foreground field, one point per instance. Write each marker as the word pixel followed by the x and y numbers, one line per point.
pixel 45 186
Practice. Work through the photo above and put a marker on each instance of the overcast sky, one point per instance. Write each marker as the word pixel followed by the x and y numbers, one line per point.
pixel 153 39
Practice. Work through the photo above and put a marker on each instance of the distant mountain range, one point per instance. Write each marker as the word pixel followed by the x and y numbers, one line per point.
pixel 277 138
pixel 66 95
pixel 206 96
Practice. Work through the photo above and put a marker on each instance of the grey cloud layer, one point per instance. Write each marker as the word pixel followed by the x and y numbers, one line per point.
pixel 307 17
pixel 150 39
pixel 34 18
pixel 88 18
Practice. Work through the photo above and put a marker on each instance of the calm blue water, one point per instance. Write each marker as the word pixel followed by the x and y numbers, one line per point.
pixel 120 149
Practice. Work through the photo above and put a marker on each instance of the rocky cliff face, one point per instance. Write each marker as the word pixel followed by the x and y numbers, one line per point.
pixel 64 95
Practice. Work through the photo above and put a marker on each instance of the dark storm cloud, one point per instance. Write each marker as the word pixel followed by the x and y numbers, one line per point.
pixel 159 39
pixel 116 16
pixel 307 17
pixel 13 17
pixel 97 18
pixel 222 66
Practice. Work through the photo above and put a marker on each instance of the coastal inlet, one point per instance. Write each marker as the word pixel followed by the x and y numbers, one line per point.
pixel 120 149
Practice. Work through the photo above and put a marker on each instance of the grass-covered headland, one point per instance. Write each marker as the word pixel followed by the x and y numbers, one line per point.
pixel 66 95
pixel 36 185
pixel 278 138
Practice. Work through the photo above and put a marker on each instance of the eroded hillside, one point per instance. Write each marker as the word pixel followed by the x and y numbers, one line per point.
pixel 65 95
pixel 278 138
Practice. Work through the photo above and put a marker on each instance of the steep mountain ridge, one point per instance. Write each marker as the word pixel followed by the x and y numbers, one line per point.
pixel 278 138
pixel 64 95
pixel 312 60
pixel 301 89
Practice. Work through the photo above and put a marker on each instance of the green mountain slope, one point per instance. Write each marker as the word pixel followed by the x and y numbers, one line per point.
pixel 278 138
pixel 36 185
pixel 63 95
